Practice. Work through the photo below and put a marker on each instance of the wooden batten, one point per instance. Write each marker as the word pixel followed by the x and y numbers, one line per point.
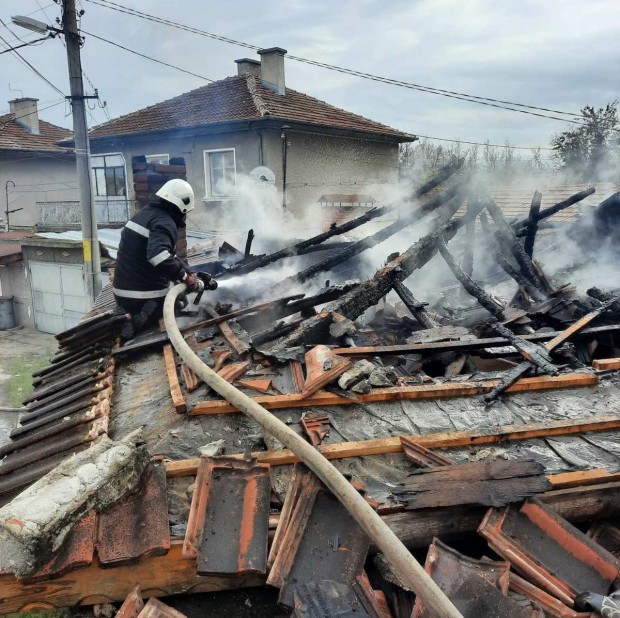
pixel 424 391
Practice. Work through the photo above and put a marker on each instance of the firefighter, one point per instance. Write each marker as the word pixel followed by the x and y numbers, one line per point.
pixel 146 261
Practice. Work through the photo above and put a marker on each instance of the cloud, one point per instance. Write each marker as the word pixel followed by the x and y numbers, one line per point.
pixel 562 55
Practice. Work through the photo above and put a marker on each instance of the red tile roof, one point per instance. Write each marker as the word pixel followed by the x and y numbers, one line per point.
pixel 14 136
pixel 237 99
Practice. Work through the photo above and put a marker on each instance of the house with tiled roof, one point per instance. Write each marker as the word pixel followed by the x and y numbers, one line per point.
pixel 34 168
pixel 230 127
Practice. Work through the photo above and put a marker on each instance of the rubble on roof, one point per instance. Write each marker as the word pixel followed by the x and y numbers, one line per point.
pixel 468 379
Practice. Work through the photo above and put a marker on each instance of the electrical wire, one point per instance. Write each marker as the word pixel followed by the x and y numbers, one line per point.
pixel 310 149
pixel 132 51
pixel 488 101
pixel 29 113
pixel 36 71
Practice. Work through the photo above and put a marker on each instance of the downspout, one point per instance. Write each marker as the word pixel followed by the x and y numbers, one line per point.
pixel 284 158
pixel 260 147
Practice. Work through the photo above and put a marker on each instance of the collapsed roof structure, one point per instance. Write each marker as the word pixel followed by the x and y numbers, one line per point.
pixel 482 401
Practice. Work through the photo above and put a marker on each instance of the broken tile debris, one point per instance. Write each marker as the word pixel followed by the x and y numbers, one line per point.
pixel 302 350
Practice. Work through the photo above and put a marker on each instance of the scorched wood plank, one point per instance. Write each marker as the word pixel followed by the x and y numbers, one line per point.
pixel 424 391
pixel 158 576
pixel 378 446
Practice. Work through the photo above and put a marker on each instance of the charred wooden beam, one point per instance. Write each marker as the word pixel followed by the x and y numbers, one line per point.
pixel 490 304
pixel 537 355
pixel 248 244
pixel 443 174
pixel 520 370
pixel 521 225
pixel 281 329
pixel 370 292
pixel 270 258
pixel 532 224
pixel 450 199
pixel 506 265
pixel 418 309
pixel 470 243
pixel 523 260
pixel 604 297
pixel 468 345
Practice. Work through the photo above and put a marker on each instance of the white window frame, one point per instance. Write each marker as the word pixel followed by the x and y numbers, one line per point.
pixel 160 156
pixel 207 165
pixel 94 178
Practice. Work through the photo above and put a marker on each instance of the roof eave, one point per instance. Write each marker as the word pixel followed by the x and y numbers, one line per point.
pixel 270 122
pixel 311 127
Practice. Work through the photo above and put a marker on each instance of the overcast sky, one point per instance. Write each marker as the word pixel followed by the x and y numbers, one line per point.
pixel 561 54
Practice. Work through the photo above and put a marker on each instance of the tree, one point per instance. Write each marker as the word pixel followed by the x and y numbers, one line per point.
pixel 591 149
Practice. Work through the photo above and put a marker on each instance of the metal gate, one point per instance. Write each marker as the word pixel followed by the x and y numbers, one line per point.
pixel 59 296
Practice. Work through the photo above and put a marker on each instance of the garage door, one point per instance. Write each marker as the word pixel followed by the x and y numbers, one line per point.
pixel 59 297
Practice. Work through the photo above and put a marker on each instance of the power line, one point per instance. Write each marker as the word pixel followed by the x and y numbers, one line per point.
pixel 29 113
pixel 132 51
pixel 38 73
pixel 491 102
pixel 306 148
pixel 460 141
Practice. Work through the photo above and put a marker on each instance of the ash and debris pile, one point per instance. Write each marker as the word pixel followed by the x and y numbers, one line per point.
pixel 449 299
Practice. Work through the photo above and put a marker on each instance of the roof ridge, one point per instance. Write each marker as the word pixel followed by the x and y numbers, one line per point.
pixel 258 101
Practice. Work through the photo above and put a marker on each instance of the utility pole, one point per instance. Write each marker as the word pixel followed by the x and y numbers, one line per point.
pixel 90 241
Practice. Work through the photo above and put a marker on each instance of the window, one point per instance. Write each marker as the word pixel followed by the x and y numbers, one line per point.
pixel 159 159
pixel 109 175
pixel 220 171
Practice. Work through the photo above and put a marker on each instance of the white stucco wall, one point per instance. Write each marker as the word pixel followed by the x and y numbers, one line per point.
pixel 37 178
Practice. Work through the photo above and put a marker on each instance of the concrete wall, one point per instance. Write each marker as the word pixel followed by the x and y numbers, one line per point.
pixel 14 281
pixel 37 178
pixel 318 165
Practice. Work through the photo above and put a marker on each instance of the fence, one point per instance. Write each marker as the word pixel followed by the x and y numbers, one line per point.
pixel 68 213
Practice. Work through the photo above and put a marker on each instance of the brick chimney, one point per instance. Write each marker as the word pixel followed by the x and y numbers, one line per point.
pixel 26 114
pixel 272 69
pixel 247 66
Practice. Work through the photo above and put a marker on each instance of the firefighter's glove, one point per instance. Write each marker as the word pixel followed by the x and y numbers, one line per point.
pixel 193 283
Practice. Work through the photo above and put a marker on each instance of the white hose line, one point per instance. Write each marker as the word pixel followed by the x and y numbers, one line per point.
pixel 396 554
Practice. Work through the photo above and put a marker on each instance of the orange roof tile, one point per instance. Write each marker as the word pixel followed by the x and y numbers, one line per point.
pixel 237 99
pixel 14 136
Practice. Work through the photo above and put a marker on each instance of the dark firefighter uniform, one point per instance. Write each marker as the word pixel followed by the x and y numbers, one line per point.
pixel 146 262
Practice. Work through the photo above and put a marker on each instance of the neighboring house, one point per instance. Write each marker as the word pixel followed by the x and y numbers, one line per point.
pixel 515 199
pixel 39 177
pixel 228 128
pixel 34 169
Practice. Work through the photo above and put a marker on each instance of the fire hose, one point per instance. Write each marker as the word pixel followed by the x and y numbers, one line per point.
pixel 396 554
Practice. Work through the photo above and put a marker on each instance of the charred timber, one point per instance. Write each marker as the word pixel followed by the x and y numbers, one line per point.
pixel 521 225
pixel 532 224
pixel 604 297
pixel 417 309
pixel 506 265
pixel 370 292
pixel 490 304
pixel 450 198
pixel 537 355
pixel 520 370
pixel 443 174
pixel 523 260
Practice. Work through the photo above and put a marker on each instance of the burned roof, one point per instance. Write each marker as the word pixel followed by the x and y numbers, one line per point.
pixel 240 98
pixel 14 136
pixel 382 383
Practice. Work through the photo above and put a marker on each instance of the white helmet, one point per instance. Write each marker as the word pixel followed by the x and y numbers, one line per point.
pixel 178 192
